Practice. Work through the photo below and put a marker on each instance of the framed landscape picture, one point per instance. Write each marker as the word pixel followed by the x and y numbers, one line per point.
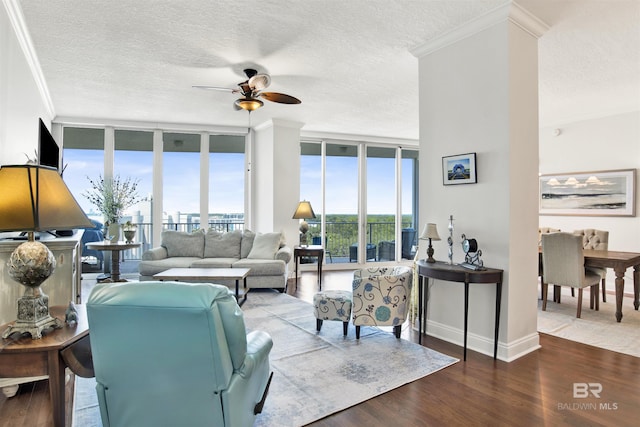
pixel 459 169
pixel 599 193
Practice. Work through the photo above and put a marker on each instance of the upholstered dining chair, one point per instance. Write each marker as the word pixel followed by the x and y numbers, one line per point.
pixel 597 240
pixel 563 262
pixel 381 297
pixel 546 230
pixel 541 231
pixel 175 354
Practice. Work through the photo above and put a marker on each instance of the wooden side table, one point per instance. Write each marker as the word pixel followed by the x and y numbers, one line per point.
pixel 309 251
pixel 456 273
pixel 115 248
pixel 21 356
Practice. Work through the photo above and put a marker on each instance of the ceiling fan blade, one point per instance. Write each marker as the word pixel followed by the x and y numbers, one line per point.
pixel 224 89
pixel 280 97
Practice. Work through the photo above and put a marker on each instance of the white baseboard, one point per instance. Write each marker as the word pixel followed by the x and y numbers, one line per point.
pixel 506 351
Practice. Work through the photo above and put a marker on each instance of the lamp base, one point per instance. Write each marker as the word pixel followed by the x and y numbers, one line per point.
pixel 430 253
pixel 303 239
pixel 33 317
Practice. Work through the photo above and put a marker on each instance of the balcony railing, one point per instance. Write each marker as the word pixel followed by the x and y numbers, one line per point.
pixel 340 240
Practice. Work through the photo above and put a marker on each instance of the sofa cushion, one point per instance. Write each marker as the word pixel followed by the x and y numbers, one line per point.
pixel 213 263
pixel 181 244
pixel 149 268
pixel 222 245
pixel 247 243
pixel 265 246
pixel 262 267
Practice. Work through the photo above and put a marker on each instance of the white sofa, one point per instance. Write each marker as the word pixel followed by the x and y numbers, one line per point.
pixel 264 253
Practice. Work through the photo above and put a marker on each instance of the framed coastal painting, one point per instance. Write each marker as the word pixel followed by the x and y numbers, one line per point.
pixel 459 169
pixel 599 193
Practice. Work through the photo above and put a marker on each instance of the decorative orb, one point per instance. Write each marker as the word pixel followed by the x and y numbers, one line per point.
pixel 304 227
pixel 31 263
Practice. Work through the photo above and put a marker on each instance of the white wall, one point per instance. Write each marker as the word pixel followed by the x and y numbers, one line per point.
pixel 479 95
pixel 606 143
pixel 21 103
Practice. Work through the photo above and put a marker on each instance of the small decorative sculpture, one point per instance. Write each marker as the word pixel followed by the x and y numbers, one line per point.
pixel 71 314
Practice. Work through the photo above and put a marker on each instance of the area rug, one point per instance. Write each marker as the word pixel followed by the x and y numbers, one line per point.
pixel 597 328
pixel 315 374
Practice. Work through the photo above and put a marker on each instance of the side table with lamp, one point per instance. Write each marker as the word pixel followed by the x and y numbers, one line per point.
pixel 35 199
pixel 304 211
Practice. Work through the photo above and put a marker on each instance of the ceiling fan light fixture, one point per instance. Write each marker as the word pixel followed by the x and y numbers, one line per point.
pixel 259 82
pixel 249 104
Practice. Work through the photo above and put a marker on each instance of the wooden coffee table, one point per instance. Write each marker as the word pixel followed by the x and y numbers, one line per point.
pixel 208 275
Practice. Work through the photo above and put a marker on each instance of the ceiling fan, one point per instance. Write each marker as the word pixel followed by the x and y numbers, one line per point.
pixel 251 90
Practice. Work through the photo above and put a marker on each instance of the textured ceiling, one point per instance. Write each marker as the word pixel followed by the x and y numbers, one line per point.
pixel 348 61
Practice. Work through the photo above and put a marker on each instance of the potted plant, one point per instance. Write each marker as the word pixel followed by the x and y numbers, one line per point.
pixel 112 196
pixel 129 231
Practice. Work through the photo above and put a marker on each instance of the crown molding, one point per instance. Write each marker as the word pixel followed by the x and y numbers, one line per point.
pixel 16 18
pixel 150 126
pixel 316 136
pixel 510 11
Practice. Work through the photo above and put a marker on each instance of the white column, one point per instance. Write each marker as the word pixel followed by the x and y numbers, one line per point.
pixel 478 93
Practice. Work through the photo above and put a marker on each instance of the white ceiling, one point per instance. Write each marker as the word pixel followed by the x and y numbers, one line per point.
pixel 348 61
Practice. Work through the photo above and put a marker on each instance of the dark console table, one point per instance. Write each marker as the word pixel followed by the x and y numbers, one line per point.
pixel 456 273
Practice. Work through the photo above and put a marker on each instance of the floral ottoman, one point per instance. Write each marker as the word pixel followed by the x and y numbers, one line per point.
pixel 332 305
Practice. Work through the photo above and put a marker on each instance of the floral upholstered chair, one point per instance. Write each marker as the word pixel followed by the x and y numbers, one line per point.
pixel 381 297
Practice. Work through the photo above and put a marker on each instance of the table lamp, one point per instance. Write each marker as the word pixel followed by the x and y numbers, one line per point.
pixel 304 211
pixel 430 232
pixel 35 198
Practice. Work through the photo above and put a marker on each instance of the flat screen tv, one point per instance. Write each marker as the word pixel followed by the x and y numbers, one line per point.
pixel 48 149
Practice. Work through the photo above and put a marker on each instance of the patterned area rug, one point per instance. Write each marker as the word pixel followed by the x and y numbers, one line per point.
pixel 315 375
pixel 596 328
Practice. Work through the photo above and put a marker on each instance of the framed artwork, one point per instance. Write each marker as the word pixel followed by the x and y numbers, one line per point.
pixel 598 193
pixel 459 169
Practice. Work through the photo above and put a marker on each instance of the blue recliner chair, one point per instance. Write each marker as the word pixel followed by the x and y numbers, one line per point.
pixel 175 354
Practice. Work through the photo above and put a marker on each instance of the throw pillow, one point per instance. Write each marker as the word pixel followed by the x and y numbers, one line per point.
pixel 179 243
pixel 265 246
pixel 222 245
pixel 247 243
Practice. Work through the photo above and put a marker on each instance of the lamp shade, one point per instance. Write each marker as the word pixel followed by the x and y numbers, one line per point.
pixel 35 198
pixel 430 231
pixel 304 211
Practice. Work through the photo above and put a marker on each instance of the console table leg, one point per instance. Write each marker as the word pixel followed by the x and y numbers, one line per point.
pixel 495 335
pixel 466 316
pixel 636 286
pixel 420 305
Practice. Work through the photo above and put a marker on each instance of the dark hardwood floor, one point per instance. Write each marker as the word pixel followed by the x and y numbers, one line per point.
pixel 535 390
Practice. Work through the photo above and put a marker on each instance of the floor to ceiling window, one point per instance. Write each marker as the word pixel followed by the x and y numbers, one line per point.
pixel 226 182
pixel 341 200
pixel 181 181
pixel 381 203
pixel 133 159
pixel 202 180
pixel 389 217
pixel 83 159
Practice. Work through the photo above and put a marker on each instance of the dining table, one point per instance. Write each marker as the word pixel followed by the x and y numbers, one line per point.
pixel 619 262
